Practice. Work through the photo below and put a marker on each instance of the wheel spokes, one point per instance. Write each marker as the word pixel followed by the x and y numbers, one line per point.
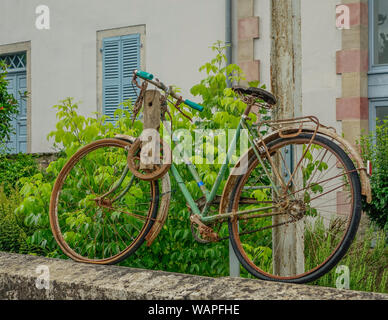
pixel 102 209
pixel 317 211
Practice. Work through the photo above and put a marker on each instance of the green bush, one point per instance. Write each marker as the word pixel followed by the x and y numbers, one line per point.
pixel 12 235
pixel 374 147
pixel 14 167
pixel 13 232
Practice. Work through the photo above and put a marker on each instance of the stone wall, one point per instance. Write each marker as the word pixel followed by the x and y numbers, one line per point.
pixel 21 276
pixel 44 159
pixel 352 65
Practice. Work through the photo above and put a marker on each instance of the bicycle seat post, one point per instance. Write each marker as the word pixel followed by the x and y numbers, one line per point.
pixel 250 101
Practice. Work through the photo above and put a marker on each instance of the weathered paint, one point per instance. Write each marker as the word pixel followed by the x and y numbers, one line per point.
pixel 286 78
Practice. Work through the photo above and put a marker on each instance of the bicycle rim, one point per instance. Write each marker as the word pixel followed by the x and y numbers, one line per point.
pixel 93 228
pixel 303 239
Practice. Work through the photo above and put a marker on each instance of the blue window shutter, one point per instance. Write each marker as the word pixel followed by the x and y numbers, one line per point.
pixel 22 116
pixel 17 85
pixel 131 61
pixel 121 55
pixel 12 89
pixel 111 75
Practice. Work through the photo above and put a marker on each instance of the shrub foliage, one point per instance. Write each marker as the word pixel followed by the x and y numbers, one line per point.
pixel 374 147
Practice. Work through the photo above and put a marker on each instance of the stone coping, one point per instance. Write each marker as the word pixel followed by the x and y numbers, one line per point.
pixel 70 280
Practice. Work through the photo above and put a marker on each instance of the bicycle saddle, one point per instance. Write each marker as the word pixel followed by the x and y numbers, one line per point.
pixel 256 92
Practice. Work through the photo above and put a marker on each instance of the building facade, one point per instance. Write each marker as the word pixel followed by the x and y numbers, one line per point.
pixel 87 50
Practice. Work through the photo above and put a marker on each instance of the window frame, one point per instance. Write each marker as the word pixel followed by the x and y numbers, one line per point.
pixel 110 33
pixel 373 104
pixel 373 68
pixel 15 48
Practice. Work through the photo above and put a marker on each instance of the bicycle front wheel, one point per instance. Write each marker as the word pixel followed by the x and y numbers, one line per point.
pixel 99 212
pixel 296 235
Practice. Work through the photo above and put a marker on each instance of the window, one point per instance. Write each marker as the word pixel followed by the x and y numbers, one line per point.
pixel 378 55
pixel 379 35
pixel 378 111
pixel 15 62
pixel 120 57
pixel 381 32
pixel 17 86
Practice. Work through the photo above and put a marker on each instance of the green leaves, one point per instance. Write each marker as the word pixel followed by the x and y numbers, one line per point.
pixel 260 195
pixel 74 130
pixel 374 147
pixel 14 167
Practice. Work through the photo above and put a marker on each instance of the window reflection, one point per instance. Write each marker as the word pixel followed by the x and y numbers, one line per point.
pixel 381 31
pixel 381 114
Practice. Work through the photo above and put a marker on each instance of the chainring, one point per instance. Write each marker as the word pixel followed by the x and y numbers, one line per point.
pixel 152 172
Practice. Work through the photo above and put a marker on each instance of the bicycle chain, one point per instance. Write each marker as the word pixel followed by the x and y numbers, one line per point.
pixel 206 231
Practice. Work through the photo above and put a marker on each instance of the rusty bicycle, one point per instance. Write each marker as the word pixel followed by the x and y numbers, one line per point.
pixel 292 213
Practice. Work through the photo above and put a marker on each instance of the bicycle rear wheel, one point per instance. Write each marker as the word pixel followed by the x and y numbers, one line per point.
pixel 310 228
pixel 92 220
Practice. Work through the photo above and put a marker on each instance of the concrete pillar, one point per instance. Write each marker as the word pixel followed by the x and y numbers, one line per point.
pixel 286 80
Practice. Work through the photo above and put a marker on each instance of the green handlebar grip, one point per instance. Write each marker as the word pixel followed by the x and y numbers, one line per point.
pixel 144 75
pixel 194 105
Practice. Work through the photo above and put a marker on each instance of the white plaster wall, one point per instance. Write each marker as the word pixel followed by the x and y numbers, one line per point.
pixel 178 33
pixel 63 59
pixel 320 42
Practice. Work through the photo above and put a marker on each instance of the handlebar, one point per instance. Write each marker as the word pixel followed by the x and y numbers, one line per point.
pixel 193 105
pixel 150 78
pixel 144 75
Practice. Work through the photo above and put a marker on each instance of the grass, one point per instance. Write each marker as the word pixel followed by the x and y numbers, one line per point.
pixel 368 267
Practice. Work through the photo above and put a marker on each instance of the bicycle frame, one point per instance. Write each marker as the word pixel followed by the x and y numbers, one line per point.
pixel 210 195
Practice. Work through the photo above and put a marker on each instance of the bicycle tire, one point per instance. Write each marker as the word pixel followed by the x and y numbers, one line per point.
pixel 56 222
pixel 340 249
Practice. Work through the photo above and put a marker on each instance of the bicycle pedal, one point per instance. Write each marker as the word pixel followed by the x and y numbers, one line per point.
pixel 206 232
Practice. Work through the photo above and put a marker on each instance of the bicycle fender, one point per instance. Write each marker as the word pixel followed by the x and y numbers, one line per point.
pixel 162 211
pixel 352 152
pixel 347 146
pixel 164 204
pixel 125 137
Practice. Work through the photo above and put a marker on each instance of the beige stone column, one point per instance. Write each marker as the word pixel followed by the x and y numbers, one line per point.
pixel 248 31
pixel 352 64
